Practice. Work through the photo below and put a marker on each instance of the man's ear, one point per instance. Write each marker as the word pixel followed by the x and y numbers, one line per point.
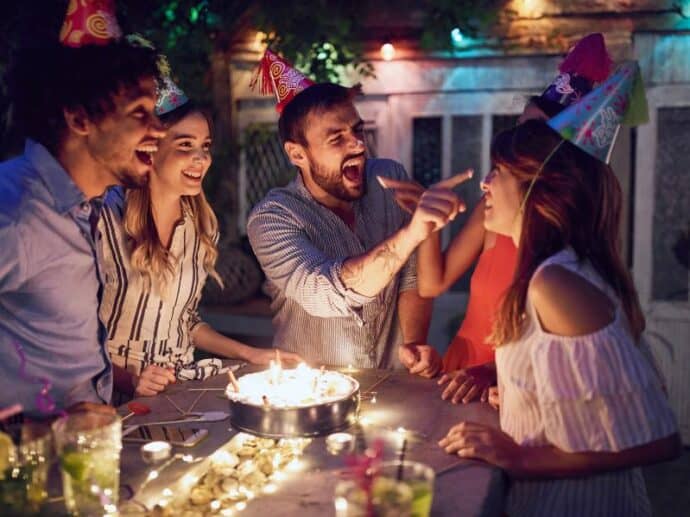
pixel 296 154
pixel 77 120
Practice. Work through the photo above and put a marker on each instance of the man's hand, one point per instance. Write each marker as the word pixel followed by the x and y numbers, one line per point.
pixel 479 441
pixel 406 193
pixel 152 380
pixel 420 359
pixel 10 411
pixel 433 208
pixel 91 407
pixel 468 384
pixel 493 398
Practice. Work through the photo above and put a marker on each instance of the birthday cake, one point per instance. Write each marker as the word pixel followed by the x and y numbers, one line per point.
pixel 293 402
pixel 299 387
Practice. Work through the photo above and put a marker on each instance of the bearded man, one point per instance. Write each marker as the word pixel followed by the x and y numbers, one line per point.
pixel 337 251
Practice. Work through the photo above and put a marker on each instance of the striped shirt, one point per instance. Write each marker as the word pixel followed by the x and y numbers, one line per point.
pixel 594 392
pixel 301 246
pixel 143 326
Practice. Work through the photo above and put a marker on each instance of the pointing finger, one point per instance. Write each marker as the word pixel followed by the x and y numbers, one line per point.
pixel 456 180
pixel 399 184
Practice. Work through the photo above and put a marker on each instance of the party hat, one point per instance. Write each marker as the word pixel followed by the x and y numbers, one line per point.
pixel 593 123
pixel 89 22
pixel 276 75
pixel 170 96
pixel 587 64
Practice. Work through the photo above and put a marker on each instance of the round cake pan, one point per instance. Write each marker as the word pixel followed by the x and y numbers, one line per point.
pixel 316 420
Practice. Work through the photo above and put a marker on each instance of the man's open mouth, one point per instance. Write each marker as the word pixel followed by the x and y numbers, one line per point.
pixel 145 153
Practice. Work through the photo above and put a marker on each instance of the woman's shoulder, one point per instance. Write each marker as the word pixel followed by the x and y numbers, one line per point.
pixel 567 303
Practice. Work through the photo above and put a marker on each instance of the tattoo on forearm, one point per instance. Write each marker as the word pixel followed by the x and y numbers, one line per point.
pixel 352 275
pixel 389 262
pixel 389 258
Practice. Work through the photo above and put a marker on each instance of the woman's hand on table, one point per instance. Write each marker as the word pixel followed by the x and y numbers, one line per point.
pixel 264 356
pixel 153 380
pixel 420 359
pixel 478 441
pixel 468 384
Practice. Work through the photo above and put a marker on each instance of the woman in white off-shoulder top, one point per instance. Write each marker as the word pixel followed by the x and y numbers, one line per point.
pixel 581 406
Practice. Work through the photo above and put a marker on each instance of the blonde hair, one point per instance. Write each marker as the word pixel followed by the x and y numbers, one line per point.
pixel 149 257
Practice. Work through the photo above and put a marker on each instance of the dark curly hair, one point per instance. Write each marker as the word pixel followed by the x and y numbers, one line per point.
pixel 43 82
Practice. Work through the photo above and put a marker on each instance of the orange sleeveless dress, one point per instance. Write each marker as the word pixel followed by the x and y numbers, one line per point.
pixel 491 278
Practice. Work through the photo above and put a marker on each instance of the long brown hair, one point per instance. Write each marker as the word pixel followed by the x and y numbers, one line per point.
pixel 148 255
pixel 576 202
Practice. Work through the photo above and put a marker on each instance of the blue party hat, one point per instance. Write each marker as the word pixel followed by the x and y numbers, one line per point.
pixel 170 97
pixel 592 124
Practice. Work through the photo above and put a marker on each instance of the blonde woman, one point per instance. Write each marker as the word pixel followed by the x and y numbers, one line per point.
pixel 159 247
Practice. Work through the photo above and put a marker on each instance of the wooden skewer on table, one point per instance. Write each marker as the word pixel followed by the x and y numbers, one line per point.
pixel 377 383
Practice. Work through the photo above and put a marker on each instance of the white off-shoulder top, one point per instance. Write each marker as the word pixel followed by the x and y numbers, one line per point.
pixel 595 392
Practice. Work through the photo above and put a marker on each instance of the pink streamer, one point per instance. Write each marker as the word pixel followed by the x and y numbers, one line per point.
pixel 44 402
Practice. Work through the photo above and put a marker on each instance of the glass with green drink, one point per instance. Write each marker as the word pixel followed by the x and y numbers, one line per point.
pixel 397 489
pixel 25 456
pixel 88 448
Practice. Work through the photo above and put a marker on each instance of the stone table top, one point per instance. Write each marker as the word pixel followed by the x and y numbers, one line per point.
pixel 471 488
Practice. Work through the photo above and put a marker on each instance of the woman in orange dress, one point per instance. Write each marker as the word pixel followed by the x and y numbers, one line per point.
pixel 468 364
pixel 494 271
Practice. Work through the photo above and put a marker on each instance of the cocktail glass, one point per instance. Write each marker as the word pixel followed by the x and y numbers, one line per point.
pixel 397 489
pixel 24 469
pixel 88 447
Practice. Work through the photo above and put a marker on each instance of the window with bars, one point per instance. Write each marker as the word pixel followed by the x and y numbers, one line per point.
pixel 671 222
pixel 426 150
pixel 265 164
pixel 466 152
pixel 502 122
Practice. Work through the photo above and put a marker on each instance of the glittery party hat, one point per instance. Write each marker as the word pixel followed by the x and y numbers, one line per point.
pixel 592 124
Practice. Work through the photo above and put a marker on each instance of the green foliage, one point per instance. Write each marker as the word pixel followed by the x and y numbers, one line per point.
pixel 474 18
pixel 187 32
pixel 321 37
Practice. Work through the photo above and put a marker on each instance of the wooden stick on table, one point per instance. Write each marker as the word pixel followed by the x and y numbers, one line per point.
pixel 377 383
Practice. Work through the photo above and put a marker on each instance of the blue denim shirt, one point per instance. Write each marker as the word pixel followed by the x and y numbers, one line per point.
pixel 49 286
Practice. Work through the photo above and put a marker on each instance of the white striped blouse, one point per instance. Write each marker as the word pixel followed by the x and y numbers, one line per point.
pixel 144 327
pixel 595 392
pixel 301 246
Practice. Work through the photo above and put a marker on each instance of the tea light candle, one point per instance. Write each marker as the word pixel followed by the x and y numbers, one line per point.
pixel 339 442
pixel 153 452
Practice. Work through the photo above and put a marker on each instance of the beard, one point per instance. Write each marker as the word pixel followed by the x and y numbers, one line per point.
pixel 129 179
pixel 331 180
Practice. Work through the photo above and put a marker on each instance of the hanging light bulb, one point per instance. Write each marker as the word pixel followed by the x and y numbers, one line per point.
pixel 387 51
pixel 456 37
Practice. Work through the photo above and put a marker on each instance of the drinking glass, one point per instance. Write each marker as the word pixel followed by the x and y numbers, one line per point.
pixel 24 469
pixel 88 448
pixel 398 489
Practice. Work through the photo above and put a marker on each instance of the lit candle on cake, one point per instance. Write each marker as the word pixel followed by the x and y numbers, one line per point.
pixel 301 386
